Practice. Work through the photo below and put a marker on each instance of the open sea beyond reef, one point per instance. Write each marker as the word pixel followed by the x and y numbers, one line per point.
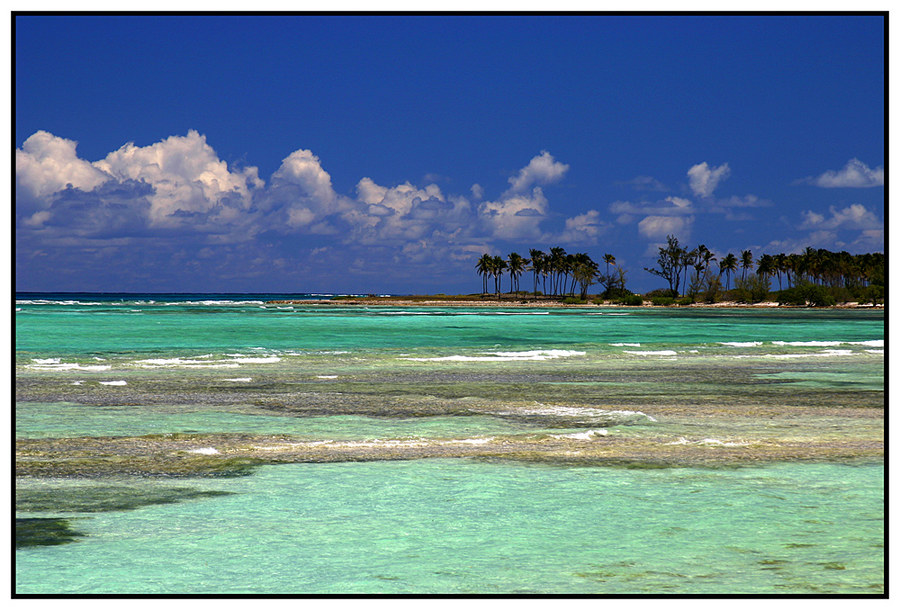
pixel 223 444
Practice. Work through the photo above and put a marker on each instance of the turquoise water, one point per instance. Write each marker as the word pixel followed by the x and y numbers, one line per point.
pixel 455 526
pixel 131 366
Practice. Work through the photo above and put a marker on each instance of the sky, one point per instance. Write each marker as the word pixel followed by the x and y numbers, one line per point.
pixel 386 154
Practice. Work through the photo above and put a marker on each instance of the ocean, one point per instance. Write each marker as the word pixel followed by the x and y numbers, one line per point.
pixel 226 444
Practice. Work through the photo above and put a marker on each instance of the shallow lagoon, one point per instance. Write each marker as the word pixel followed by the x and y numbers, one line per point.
pixel 710 381
pixel 458 526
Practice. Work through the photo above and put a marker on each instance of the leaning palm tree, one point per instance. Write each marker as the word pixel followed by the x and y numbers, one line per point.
pixel 483 267
pixel 746 262
pixel 609 259
pixel 706 256
pixel 516 265
pixel 728 265
pixel 584 271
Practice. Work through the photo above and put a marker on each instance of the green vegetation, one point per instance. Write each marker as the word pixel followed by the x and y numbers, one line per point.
pixel 816 278
pixel 631 299
pixel 564 272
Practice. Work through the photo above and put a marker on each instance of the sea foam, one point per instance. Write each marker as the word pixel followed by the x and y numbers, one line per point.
pixel 541 354
pixel 53 364
pixel 583 436
pixel 808 343
pixel 611 416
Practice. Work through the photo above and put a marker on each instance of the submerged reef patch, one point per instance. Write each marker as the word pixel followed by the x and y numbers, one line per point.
pixel 39 531
pixel 104 498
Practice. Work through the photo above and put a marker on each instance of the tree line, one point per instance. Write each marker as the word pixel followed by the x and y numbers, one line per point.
pixel 562 271
pixel 844 275
pixel 697 273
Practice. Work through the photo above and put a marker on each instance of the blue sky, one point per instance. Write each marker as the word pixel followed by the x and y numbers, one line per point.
pixel 385 154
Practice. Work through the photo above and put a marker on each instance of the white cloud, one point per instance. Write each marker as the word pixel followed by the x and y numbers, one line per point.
pixel 515 216
pixel 855 174
pixel 187 177
pixel 403 212
pixel 180 186
pixel 542 169
pixel 46 164
pixel 670 206
pixel 704 179
pixel 853 217
pixel 679 202
pixel 302 168
pixel 300 195
pixel 747 201
pixel 655 227
pixel 583 228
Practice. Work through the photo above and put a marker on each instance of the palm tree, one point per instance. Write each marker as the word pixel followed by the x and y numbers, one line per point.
pixel 729 265
pixel 765 265
pixel 780 266
pixel 557 262
pixel 516 265
pixel 746 262
pixel 497 267
pixel 483 267
pixel 584 270
pixel 609 259
pixel 569 268
pixel 537 265
pixel 706 256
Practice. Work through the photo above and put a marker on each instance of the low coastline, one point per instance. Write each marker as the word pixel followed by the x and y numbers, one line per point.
pixel 529 302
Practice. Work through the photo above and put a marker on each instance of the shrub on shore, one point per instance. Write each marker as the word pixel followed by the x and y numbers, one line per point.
pixel 811 295
pixel 631 299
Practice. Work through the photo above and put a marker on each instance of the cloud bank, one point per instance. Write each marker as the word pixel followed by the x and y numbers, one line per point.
pixel 177 194
pixel 180 184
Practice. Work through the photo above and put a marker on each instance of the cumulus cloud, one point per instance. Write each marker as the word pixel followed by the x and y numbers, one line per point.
pixel 704 179
pixel 658 227
pixel 404 212
pixel 853 217
pixel 542 169
pixel 46 164
pixel 514 216
pixel 583 229
pixel 855 174
pixel 178 191
pixel 190 183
